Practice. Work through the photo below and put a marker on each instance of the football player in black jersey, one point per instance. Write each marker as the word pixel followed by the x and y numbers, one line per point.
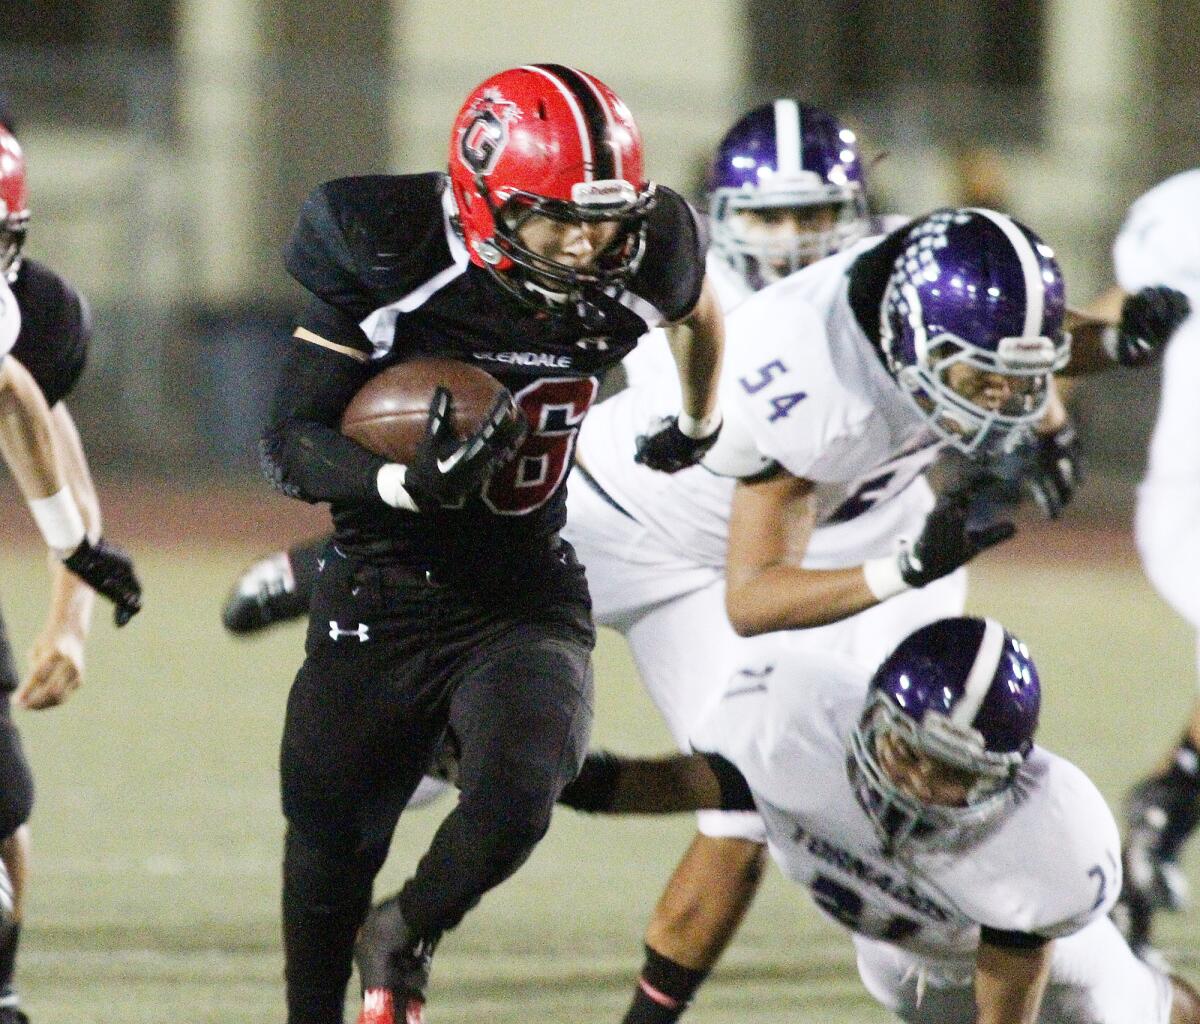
pixel 446 609
pixel 43 339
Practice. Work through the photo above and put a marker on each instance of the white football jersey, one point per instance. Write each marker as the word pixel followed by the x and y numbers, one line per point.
pixel 10 319
pixel 1048 865
pixel 1174 458
pixel 801 386
pixel 1159 243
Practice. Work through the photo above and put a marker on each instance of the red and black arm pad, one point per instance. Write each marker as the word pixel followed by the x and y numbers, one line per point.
pixel 303 452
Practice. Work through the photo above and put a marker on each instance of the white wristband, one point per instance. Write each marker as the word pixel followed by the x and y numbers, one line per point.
pixel 389 481
pixel 883 577
pixel 59 520
pixel 698 429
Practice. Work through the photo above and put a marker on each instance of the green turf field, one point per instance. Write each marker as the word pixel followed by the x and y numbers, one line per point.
pixel 157 834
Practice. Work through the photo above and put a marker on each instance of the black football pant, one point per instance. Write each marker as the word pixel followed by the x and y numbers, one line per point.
pixel 16 780
pixel 397 661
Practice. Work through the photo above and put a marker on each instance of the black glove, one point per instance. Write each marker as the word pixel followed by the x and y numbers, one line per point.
pixel 1044 467
pixel 954 533
pixel 1053 469
pixel 445 471
pixel 109 571
pixel 1148 319
pixel 668 449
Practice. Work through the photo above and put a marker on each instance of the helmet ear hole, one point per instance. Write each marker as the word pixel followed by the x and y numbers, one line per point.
pixel 541 110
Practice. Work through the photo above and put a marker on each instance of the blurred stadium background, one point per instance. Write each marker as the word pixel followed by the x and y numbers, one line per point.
pixel 169 147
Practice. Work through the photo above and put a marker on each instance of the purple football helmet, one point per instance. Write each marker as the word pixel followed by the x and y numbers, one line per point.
pixel 785 155
pixel 972 325
pixel 965 692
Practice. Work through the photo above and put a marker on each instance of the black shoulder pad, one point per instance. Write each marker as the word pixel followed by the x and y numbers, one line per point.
pixel 56 327
pixel 672 271
pixel 364 241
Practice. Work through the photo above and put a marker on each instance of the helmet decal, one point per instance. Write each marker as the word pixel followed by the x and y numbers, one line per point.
pixel 482 141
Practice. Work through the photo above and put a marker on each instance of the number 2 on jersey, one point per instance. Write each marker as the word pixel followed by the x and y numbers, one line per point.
pixel 554 408
pixel 781 405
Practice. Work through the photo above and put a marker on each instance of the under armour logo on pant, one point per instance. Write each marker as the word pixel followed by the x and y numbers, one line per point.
pixel 336 632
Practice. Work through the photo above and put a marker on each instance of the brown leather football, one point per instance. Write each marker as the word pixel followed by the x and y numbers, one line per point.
pixel 389 413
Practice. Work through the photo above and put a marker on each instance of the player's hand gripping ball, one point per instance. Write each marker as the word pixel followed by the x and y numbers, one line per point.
pixel 450 423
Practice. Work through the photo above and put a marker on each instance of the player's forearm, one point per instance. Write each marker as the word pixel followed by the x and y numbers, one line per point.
pixel 784 596
pixel 26 434
pixel 71 604
pixel 303 453
pixel 615 784
pixel 1087 327
pixel 76 470
pixel 697 345
pixel 1010 983
pixel 315 463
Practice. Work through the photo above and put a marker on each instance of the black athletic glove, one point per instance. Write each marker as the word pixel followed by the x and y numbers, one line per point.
pixel 668 449
pixel 1044 467
pixel 445 470
pixel 955 532
pixel 1053 469
pixel 109 571
pixel 1148 319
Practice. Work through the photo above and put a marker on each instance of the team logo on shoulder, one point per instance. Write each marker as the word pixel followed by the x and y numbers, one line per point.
pixel 485 136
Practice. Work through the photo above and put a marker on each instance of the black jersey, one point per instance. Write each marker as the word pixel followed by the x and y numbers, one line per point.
pixel 392 279
pixel 56 326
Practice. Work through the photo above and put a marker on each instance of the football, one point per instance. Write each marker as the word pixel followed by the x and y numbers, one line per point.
pixel 388 414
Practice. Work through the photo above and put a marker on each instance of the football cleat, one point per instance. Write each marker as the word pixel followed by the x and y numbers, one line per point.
pixel 265 594
pixel 383 1006
pixel 1153 878
pixel 393 967
pixel 10 1009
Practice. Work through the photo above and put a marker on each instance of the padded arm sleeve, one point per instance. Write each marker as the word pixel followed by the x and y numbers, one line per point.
pixel 303 452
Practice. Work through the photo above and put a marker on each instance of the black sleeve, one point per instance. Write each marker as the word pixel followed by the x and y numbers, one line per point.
pixel 318 255
pixel 303 451
pixel 1011 940
pixel 735 793
pixel 672 271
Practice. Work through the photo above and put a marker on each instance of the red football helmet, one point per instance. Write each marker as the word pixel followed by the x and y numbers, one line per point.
pixel 14 204
pixel 549 140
